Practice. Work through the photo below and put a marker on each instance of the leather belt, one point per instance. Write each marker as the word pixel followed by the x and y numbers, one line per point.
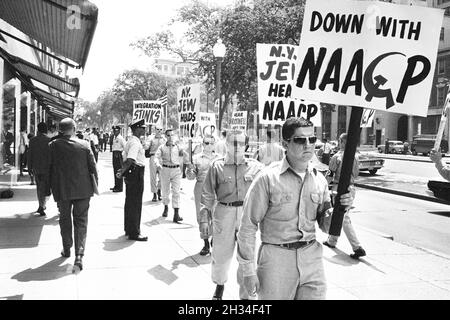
pixel 166 166
pixel 233 204
pixel 293 245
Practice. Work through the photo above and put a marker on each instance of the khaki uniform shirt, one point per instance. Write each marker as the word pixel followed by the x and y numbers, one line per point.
pixel 168 155
pixel 227 182
pixel 284 206
pixel 118 143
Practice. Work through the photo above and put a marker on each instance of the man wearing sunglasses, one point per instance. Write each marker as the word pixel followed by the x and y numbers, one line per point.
pixel 227 181
pixel 197 170
pixel 286 200
pixel 155 177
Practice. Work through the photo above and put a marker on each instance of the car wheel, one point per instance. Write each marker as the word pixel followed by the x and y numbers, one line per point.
pixel 379 150
pixel 372 172
pixel 414 153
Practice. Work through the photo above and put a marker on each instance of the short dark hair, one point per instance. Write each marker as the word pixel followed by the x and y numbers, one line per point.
pixel 42 127
pixel 291 124
pixel 167 130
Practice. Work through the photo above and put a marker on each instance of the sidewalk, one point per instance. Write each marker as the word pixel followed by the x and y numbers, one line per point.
pixel 168 265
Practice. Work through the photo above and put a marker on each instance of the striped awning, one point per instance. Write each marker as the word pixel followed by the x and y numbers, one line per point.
pixel 49 99
pixel 41 75
pixel 66 27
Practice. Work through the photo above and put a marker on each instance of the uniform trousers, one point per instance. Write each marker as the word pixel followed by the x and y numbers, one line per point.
pixel 349 232
pixel 79 210
pixel 134 190
pixel 225 221
pixel 198 196
pixel 117 165
pixel 288 274
pixel 42 189
pixel 155 177
pixel 170 181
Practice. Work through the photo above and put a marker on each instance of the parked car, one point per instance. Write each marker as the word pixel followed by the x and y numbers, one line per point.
pixel 368 162
pixel 423 145
pixel 395 146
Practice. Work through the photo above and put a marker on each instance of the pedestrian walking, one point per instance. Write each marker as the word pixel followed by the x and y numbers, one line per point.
pixel 285 201
pixel 325 151
pixel 117 147
pixel 23 146
pixel 30 172
pixel 167 159
pixel 271 151
pixel 133 170
pixel 155 175
pixel 93 138
pixel 197 170
pixel 38 165
pixel 335 168
pixel 227 181
pixel 221 145
pixel 72 171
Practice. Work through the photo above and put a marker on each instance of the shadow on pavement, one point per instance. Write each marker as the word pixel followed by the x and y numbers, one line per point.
pixel 193 261
pixel 52 270
pixel 441 213
pixel 159 220
pixel 16 297
pixel 119 243
pixel 151 203
pixel 30 227
pixel 21 194
pixel 163 274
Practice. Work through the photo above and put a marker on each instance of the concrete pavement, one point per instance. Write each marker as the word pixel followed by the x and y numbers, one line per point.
pixel 168 265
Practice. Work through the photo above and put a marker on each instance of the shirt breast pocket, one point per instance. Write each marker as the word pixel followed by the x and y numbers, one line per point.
pixel 314 201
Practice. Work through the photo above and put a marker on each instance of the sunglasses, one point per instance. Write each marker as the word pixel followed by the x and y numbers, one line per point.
pixel 207 143
pixel 302 140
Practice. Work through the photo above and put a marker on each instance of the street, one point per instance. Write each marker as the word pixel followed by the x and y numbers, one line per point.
pixel 418 223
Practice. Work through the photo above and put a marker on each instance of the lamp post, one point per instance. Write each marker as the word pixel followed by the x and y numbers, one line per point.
pixel 219 50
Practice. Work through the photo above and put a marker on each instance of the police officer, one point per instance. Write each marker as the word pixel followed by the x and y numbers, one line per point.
pixel 227 180
pixel 167 159
pixel 197 170
pixel 118 144
pixel 155 177
pixel 133 171
pixel 286 200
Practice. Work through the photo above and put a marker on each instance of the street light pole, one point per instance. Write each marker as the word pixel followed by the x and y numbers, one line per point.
pixel 219 52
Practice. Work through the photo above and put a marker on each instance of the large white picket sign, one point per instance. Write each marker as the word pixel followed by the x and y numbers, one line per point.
pixel 207 124
pixel 188 100
pixel 149 110
pixel 238 120
pixel 276 63
pixel 370 54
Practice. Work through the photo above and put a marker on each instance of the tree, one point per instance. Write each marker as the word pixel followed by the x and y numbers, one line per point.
pixel 269 21
pixel 141 85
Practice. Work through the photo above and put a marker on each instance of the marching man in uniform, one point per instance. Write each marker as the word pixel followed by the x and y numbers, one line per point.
pixel 197 170
pixel 167 159
pixel 155 176
pixel 227 180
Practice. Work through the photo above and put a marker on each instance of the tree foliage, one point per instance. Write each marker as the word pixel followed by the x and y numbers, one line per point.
pixel 241 28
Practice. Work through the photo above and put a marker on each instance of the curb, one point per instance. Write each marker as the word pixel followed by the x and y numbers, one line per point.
pixel 428 160
pixel 402 193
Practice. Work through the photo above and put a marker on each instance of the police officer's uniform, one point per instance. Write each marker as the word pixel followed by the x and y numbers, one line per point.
pixel 228 182
pixel 118 144
pixel 134 180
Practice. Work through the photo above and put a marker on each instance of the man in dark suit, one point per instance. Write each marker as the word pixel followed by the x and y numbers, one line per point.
pixel 38 164
pixel 72 168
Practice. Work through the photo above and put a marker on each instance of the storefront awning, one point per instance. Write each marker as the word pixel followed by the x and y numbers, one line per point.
pixel 48 98
pixel 43 76
pixel 66 27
